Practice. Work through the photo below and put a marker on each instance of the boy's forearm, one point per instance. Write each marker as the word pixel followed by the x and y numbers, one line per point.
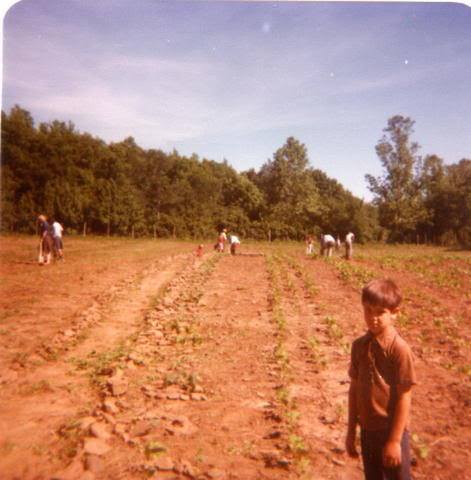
pixel 401 416
pixel 352 408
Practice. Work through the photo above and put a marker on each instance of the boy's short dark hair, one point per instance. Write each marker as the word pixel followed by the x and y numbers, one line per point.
pixel 382 292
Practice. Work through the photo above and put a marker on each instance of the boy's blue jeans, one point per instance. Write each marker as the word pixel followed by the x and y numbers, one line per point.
pixel 372 443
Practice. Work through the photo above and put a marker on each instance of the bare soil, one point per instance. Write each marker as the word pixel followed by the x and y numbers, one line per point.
pixel 137 359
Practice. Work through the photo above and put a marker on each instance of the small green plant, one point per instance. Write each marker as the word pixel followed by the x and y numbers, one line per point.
pixel 71 437
pixel 402 319
pixel 281 355
pixel 292 416
pixel 154 449
pixel 420 446
pixel 296 444
pixel 303 465
pixel 333 329
pixel 316 352
pixel 199 457
pixel 282 394
pixel 43 386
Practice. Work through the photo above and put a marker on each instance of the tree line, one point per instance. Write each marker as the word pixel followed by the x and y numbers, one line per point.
pixel 122 189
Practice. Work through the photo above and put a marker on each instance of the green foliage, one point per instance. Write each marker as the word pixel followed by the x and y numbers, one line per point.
pixel 122 189
pixel 420 199
pixel 398 191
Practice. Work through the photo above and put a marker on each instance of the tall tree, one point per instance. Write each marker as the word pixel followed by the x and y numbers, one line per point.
pixel 291 194
pixel 397 192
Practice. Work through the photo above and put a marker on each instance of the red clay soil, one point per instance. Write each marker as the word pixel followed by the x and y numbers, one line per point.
pixel 221 367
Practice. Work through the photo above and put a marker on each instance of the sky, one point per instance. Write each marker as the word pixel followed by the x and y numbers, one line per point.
pixel 233 80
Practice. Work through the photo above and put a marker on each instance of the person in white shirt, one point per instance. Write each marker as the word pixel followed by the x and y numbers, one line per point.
pixel 349 245
pixel 57 230
pixel 327 245
pixel 234 242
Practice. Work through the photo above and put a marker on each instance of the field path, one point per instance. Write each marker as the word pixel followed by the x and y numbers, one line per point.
pixel 220 367
pixel 39 405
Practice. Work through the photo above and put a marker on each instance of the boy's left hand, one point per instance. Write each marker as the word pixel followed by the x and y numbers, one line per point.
pixel 392 454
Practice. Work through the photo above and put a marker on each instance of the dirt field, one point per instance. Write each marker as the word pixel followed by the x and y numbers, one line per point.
pixel 134 359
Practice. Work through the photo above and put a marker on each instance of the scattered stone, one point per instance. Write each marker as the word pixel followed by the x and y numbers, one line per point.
pixel 85 422
pixel 272 459
pixel 198 397
pixel 136 359
pixel 109 418
pixel 96 446
pixel 88 475
pixel 164 464
pixel 100 430
pixel 186 468
pixel 274 434
pixel 141 428
pixel 284 462
pixel 184 397
pixel 327 421
pixel 149 391
pixel 69 333
pixel 198 389
pixel 131 365
pixel 215 473
pixel 338 462
pixel 109 405
pixel 181 425
pixel 71 472
pixel 119 428
pixel 118 386
pixel 93 463
pixel 173 396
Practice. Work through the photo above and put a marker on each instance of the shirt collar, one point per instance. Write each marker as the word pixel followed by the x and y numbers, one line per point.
pixel 386 337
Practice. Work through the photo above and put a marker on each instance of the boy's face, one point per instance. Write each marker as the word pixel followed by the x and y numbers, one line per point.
pixel 378 318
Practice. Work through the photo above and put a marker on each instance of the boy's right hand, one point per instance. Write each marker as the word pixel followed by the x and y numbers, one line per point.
pixel 350 445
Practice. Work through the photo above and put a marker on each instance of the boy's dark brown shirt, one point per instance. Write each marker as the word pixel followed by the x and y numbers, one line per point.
pixel 379 365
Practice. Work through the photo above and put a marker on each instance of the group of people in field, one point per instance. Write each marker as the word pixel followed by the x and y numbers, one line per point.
pixel 381 366
pixel 220 246
pixel 328 243
pixel 50 240
pixel 224 238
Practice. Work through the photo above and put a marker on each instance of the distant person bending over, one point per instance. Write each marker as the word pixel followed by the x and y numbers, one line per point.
pixel 381 377
pixel 327 245
pixel 234 242
pixel 309 245
pixel 45 241
pixel 349 245
pixel 57 230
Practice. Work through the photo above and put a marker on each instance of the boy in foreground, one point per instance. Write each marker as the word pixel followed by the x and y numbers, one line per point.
pixel 382 375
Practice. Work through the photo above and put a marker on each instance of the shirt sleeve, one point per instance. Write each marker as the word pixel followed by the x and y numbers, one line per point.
pixel 404 365
pixel 353 368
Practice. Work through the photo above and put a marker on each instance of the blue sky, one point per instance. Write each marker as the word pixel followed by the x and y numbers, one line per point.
pixel 234 79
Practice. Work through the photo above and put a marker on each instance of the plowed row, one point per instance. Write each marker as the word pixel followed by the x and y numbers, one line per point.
pixel 215 367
